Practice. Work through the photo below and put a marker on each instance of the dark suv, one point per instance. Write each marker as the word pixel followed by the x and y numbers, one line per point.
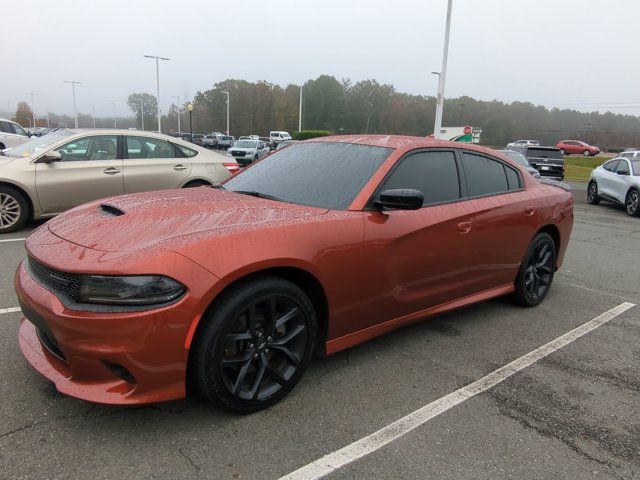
pixel 547 160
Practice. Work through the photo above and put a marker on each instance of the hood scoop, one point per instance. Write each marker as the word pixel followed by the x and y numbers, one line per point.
pixel 110 211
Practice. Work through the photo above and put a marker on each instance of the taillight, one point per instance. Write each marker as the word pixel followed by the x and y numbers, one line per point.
pixel 232 167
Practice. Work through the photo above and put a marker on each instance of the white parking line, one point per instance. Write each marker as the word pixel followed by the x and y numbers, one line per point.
pixel 9 310
pixel 360 448
pixel 13 240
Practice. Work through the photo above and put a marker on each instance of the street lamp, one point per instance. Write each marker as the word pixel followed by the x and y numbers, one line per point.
pixel 73 88
pixel 177 97
pixel 93 114
pixel 190 108
pixel 442 76
pixel 115 118
pixel 33 108
pixel 157 86
pixel 228 132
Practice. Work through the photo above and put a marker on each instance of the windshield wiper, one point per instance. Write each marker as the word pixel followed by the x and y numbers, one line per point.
pixel 253 193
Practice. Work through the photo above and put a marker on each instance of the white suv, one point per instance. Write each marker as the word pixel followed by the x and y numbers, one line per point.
pixel 279 136
pixel 11 134
pixel 523 143
pixel 618 181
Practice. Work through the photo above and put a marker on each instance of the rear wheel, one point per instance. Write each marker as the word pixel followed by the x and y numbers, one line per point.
pixel 536 271
pixel 255 344
pixel 592 193
pixel 196 183
pixel 632 203
pixel 14 210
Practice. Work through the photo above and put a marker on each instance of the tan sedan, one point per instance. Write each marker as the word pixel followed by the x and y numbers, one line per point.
pixel 50 174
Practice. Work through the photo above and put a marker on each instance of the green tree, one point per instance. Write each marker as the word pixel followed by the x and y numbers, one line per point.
pixel 24 114
pixel 149 104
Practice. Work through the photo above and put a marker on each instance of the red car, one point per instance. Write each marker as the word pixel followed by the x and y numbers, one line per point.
pixel 318 247
pixel 570 147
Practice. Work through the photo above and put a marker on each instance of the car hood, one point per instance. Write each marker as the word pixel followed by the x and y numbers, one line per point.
pixel 171 218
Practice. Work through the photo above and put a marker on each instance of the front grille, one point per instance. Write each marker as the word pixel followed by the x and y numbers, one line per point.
pixel 55 280
pixel 236 153
pixel 50 344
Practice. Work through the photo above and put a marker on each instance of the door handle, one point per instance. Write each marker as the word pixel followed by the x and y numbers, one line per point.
pixel 111 171
pixel 529 210
pixel 179 167
pixel 464 227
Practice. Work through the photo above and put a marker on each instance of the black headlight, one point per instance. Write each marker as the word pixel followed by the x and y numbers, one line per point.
pixel 128 290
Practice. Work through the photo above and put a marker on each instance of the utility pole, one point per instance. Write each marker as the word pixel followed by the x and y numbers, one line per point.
pixel 461 105
pixel 115 118
pixel 158 86
pixel 228 132
pixel 177 97
pixel 73 88
pixel 300 112
pixel 93 115
pixel 33 108
pixel 443 73
pixel 142 115
pixel 588 129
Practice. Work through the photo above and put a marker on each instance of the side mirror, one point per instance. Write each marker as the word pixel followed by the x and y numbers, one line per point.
pixel 50 157
pixel 400 199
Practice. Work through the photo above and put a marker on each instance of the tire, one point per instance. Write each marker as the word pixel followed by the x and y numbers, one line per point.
pixel 14 210
pixel 196 183
pixel 586 153
pixel 255 159
pixel 592 193
pixel 562 151
pixel 232 365
pixel 536 271
pixel 2 147
pixel 632 203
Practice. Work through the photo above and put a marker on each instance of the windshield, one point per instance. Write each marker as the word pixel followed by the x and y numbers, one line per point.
pixel 517 157
pixel 320 174
pixel 246 144
pixel 37 144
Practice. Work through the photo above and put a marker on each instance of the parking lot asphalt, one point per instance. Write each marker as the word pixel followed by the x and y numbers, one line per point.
pixel 572 414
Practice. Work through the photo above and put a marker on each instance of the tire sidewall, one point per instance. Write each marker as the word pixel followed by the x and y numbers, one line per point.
pixel 222 321
pixel 637 210
pixel 521 294
pixel 24 209
pixel 595 199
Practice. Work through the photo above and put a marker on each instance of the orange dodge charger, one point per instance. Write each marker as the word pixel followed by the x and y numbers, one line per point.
pixel 320 246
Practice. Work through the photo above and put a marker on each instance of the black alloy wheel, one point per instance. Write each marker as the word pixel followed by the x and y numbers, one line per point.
pixel 592 193
pixel 536 272
pixel 255 346
pixel 632 203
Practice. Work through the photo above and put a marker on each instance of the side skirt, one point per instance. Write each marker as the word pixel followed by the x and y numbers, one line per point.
pixel 346 341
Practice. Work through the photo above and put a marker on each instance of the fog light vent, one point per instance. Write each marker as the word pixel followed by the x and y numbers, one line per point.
pixel 120 372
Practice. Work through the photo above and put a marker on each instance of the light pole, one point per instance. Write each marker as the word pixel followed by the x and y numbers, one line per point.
pixel 73 89
pixel 461 105
pixel 228 132
pixel 177 97
pixel 158 86
pixel 115 118
pixel 93 115
pixel 300 111
pixel 33 108
pixel 190 108
pixel 141 115
pixel 443 73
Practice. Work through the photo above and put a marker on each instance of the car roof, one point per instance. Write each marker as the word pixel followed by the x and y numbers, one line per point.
pixel 400 142
pixel 7 120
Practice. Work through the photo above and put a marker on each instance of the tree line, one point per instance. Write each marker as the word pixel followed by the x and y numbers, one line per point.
pixel 341 106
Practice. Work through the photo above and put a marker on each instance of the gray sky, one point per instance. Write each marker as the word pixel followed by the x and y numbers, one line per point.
pixel 568 53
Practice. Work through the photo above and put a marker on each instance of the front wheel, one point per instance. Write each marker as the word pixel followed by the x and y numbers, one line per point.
pixel 536 271
pixel 632 203
pixel 14 210
pixel 562 151
pixel 586 153
pixel 592 193
pixel 254 345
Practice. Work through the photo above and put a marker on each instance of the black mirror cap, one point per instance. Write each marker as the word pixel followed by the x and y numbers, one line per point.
pixel 400 199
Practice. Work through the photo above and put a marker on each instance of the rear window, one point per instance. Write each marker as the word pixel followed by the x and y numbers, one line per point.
pixel 544 153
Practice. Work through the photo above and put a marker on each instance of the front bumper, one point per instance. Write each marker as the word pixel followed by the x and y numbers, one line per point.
pixel 149 345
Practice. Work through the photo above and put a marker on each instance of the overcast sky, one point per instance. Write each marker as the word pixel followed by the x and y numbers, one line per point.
pixel 569 53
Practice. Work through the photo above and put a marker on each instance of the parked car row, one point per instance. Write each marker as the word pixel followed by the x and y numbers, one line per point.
pixel 548 161
pixel 566 147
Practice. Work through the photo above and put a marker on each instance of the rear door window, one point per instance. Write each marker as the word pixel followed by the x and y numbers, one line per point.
pixel 144 147
pixel 435 174
pixel 623 167
pixel 484 175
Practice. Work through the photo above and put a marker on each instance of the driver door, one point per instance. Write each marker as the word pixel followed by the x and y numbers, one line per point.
pixel 90 168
